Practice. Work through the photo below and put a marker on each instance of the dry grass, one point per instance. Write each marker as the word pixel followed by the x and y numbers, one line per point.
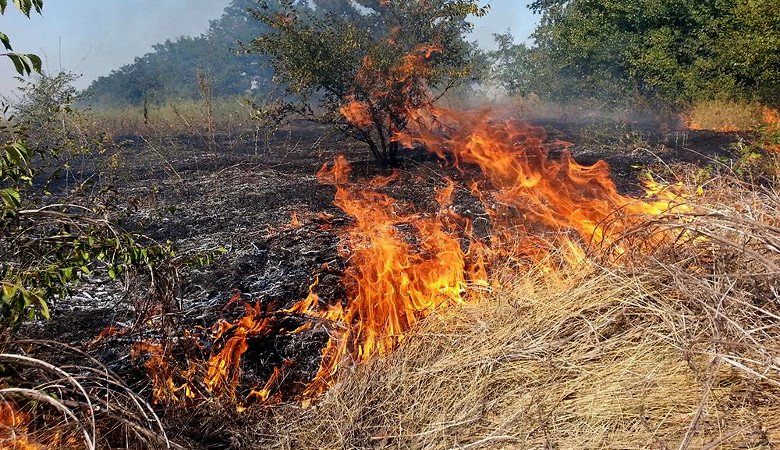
pixel 679 349
pixel 70 406
pixel 721 115
pixel 191 117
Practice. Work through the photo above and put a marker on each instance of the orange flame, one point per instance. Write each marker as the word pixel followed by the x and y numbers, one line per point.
pixel 169 385
pixel 295 222
pixel 539 205
pixel 771 119
pixel 391 284
pixel 531 188
pixel 17 432
pixel 14 429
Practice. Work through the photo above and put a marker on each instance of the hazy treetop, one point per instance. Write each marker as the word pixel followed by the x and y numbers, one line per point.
pixel 98 37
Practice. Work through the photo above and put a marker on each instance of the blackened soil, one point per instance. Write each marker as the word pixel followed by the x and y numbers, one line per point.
pixel 241 195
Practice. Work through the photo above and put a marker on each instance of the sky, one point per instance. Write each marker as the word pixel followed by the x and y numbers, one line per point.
pixel 92 38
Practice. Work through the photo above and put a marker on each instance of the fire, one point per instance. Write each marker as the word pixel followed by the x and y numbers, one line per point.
pixel 358 113
pixel 393 280
pixel 540 204
pixel 169 385
pixel 18 432
pixel 14 429
pixel 385 85
pixel 529 190
pixel 403 265
pixel 771 118
pixel 295 222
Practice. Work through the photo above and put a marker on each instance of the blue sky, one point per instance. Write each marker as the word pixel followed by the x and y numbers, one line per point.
pixel 93 38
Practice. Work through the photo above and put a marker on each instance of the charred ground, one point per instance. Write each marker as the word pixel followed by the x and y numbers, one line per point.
pixel 263 203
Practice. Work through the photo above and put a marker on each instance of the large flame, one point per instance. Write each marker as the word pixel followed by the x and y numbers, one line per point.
pixel 529 191
pixel 542 205
pixel 393 280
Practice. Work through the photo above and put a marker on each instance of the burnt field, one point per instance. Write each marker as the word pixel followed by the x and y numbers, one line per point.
pixel 264 205
pixel 375 224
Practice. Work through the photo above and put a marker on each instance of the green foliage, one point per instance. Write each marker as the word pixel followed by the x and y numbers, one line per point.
pixel 170 71
pixel 24 63
pixel 45 109
pixel 510 65
pixel 47 248
pixel 656 52
pixel 380 58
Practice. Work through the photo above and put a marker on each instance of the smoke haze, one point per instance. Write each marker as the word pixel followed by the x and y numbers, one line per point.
pixel 93 38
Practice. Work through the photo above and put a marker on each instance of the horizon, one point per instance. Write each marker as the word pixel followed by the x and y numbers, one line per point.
pixel 87 38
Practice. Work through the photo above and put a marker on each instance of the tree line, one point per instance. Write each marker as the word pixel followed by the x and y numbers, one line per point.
pixel 656 53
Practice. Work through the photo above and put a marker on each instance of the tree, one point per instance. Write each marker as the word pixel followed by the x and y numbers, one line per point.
pixel 24 63
pixel 365 66
pixel 510 65
pixel 658 52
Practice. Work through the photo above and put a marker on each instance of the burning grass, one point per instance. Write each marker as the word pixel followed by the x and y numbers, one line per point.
pixel 726 116
pixel 67 406
pixel 678 349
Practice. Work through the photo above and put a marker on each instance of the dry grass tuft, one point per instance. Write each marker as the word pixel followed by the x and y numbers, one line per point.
pixel 70 406
pixel 679 349
pixel 190 117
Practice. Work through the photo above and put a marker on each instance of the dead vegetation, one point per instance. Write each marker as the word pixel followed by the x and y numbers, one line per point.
pixel 673 349
pixel 68 404
pixel 678 349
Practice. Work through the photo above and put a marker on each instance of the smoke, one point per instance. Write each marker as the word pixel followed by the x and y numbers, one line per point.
pixel 93 38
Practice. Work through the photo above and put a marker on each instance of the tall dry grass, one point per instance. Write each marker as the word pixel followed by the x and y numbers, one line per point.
pixel 673 350
pixel 190 117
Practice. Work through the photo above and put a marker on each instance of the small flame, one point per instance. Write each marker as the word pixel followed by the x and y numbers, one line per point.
pixel 295 222
pixel 169 385
pixel 17 431
pixel 14 429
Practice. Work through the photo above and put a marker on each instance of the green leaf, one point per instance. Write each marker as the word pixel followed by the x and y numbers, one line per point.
pixel 37 64
pixel 6 41
pixel 11 198
pixel 3 5
pixel 16 153
pixel 44 309
pixel 19 63
pixel 24 63
pixel 24 5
